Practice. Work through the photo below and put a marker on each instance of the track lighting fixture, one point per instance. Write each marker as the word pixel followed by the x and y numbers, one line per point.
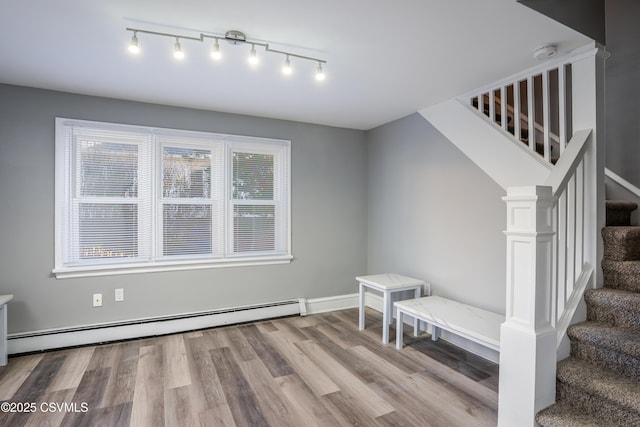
pixel 177 50
pixel 133 46
pixel 319 72
pixel 286 68
pixel 233 37
pixel 253 56
pixel 215 52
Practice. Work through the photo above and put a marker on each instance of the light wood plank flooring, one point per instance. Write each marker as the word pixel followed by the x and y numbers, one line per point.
pixel 317 370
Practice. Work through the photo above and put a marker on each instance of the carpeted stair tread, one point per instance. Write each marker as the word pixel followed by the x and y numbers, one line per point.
pixel 622 275
pixel 600 392
pixel 625 340
pixel 619 212
pixel 564 415
pixel 607 347
pixel 599 385
pixel 614 307
pixel 621 243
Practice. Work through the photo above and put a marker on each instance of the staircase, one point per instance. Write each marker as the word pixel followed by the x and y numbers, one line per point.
pixel 599 384
pixel 537 135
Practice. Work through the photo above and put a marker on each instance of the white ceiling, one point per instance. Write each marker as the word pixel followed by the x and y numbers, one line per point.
pixel 385 59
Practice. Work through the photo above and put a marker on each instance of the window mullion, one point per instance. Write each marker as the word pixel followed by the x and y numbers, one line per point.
pixel 145 199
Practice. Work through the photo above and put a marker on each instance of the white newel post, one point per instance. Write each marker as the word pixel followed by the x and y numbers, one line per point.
pixel 527 338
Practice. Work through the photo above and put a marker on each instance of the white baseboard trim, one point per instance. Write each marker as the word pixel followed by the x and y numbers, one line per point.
pixel 334 303
pixel 99 333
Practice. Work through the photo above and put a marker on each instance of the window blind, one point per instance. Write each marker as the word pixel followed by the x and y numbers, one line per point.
pixel 192 176
pixel 149 196
pixel 105 204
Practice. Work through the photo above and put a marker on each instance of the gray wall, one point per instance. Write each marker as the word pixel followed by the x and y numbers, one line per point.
pixel 329 192
pixel 623 89
pixel 585 16
pixel 434 215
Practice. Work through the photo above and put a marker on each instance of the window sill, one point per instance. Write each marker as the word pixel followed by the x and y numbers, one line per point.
pixel 111 270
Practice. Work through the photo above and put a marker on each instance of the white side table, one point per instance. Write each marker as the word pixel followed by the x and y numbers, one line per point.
pixel 387 284
pixel 4 299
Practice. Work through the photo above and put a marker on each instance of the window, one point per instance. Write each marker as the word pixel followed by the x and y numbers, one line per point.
pixel 137 199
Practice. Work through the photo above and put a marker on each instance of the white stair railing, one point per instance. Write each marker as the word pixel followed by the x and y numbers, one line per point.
pixel 534 107
pixel 571 272
pixel 548 271
pixel 552 237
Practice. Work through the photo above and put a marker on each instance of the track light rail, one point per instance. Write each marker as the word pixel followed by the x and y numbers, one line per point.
pixel 234 37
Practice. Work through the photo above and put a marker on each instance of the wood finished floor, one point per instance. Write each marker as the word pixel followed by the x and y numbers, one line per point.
pixel 317 370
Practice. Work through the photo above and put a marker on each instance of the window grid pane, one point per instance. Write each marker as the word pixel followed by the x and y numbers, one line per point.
pixel 186 173
pixel 108 231
pixel 254 228
pixel 252 176
pixel 108 169
pixel 186 229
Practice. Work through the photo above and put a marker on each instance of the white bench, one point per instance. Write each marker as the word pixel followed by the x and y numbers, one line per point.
pixel 472 323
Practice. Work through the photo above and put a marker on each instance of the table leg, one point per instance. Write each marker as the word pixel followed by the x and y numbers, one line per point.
pixel 435 332
pixel 416 321
pixel 361 307
pixel 399 330
pixel 385 317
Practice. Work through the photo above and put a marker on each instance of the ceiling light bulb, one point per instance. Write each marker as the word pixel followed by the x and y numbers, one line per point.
pixel 253 57
pixel 215 53
pixel 177 50
pixel 320 72
pixel 286 68
pixel 133 46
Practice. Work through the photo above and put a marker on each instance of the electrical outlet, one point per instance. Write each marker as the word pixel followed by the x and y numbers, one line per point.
pixel 97 300
pixel 119 294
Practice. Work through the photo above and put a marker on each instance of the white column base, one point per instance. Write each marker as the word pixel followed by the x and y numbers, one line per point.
pixel 528 373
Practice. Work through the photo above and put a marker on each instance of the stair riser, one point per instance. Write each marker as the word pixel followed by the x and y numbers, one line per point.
pixel 618 212
pixel 615 316
pixel 597 406
pixel 621 243
pixel 605 358
pixel 618 218
pixel 613 307
pixel 623 275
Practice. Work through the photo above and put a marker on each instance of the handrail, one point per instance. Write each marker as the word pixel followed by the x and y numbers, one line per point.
pixel 570 280
pixel 622 182
pixel 575 55
pixel 568 162
pixel 571 305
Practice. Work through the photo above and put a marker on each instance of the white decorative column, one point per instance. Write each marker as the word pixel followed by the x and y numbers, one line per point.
pixel 527 338
pixel 588 112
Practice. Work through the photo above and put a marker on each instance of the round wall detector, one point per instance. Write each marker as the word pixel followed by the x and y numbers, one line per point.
pixel 545 52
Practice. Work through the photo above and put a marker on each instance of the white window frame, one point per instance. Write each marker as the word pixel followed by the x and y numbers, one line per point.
pixel 280 196
pixel 150 257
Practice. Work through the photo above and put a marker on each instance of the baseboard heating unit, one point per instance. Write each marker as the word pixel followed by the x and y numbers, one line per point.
pixel 153 326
